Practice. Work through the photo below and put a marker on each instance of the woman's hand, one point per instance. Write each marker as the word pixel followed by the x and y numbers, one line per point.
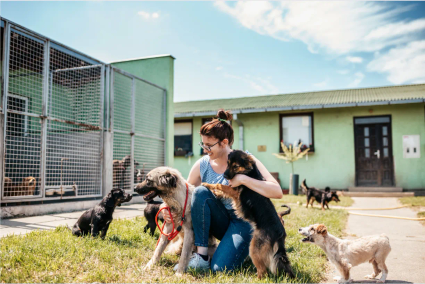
pixel 165 213
pixel 237 180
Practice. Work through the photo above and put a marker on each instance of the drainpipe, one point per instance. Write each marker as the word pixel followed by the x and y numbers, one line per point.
pixel 240 124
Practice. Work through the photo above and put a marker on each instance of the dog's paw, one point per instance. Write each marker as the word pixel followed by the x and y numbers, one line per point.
pixel 342 280
pixel 179 274
pixel 370 276
pixel 337 278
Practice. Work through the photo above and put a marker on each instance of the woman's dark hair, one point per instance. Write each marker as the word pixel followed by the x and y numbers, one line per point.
pixel 219 127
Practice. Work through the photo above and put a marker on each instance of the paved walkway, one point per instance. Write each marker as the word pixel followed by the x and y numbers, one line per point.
pixel 25 225
pixel 406 261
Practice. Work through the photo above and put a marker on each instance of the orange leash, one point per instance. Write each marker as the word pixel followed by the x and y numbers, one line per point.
pixel 173 233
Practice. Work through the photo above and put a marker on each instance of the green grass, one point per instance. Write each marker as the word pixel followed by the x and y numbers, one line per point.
pixel 346 201
pixel 413 201
pixel 57 256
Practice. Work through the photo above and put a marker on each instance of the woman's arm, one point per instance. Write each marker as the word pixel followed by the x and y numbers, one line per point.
pixel 268 188
pixel 194 177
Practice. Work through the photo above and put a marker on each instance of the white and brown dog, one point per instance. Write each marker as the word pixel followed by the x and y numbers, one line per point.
pixel 169 184
pixel 345 254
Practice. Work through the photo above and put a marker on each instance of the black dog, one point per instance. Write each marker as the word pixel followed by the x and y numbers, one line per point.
pixel 322 197
pixel 97 219
pixel 267 249
pixel 150 212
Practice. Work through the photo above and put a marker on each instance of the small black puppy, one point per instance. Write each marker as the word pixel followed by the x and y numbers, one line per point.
pixel 322 197
pixel 97 219
pixel 267 248
pixel 150 212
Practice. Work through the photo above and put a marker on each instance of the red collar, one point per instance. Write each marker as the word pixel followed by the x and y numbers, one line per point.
pixel 173 233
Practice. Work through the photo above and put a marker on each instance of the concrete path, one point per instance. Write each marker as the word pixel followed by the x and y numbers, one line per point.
pixel 25 225
pixel 406 261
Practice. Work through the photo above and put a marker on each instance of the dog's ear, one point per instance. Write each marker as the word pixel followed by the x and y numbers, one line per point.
pixel 327 189
pixel 168 180
pixel 110 200
pixel 321 229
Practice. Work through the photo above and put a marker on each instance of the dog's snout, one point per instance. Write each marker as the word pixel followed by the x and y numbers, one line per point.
pixel 299 230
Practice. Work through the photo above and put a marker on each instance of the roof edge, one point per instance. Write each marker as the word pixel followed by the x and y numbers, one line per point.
pixel 300 107
pixel 142 58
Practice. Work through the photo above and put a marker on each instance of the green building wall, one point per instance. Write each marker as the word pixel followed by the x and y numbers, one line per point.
pixel 160 71
pixel 333 162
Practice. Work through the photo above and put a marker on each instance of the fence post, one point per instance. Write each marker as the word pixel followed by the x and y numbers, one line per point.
pixel 45 96
pixel 133 130
pixel 5 78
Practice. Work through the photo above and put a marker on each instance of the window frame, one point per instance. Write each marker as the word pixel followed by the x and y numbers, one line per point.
pixel 25 110
pixel 282 115
pixel 191 142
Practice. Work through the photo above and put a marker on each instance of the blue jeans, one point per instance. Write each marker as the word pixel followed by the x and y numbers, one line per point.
pixel 210 215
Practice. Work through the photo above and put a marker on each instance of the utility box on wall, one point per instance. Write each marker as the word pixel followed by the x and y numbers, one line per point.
pixel 411 146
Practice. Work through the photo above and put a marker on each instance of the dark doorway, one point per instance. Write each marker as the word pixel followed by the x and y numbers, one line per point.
pixel 374 151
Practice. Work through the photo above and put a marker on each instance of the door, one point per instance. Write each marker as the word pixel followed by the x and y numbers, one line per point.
pixel 373 150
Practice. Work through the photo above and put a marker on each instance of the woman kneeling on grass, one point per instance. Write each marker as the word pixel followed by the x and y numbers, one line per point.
pixel 216 216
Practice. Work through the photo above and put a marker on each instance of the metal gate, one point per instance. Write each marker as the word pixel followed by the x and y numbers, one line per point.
pixel 138 110
pixel 53 119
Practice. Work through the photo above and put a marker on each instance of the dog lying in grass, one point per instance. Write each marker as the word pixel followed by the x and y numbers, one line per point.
pixel 99 218
pixel 345 254
pixel 320 196
pixel 267 248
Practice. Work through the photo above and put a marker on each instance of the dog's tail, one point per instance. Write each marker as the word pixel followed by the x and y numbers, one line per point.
pixel 304 186
pixel 283 213
pixel 281 260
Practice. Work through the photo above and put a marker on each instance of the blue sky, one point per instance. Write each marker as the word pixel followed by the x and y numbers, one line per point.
pixel 238 49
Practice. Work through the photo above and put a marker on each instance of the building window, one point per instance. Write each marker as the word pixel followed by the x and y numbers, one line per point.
pixel 182 137
pixel 296 128
pixel 17 124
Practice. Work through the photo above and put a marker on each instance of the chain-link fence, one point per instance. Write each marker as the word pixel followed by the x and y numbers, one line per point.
pixel 52 121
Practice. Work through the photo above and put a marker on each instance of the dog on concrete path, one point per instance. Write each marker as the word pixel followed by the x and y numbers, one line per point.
pixel 345 254
pixel 267 248
pixel 99 218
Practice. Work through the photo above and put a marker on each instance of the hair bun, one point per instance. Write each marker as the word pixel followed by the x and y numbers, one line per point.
pixel 226 115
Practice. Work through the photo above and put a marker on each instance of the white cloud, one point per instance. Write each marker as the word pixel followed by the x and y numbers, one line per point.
pixel 322 84
pixel 147 15
pixel 263 86
pixel 405 64
pixel 343 72
pixel 218 68
pixel 353 59
pixel 338 27
pixel 359 78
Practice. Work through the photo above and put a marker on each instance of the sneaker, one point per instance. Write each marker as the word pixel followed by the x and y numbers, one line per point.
pixel 196 262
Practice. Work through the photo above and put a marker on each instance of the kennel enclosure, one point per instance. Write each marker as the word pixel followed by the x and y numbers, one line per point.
pixel 66 118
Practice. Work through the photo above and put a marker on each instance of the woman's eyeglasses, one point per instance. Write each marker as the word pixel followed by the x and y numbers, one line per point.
pixel 208 148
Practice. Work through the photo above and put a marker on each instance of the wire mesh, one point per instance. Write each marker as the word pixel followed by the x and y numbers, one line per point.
pixel 149 153
pixel 72 160
pixel 22 173
pixel 121 168
pixel 26 69
pixel 122 102
pixel 149 114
